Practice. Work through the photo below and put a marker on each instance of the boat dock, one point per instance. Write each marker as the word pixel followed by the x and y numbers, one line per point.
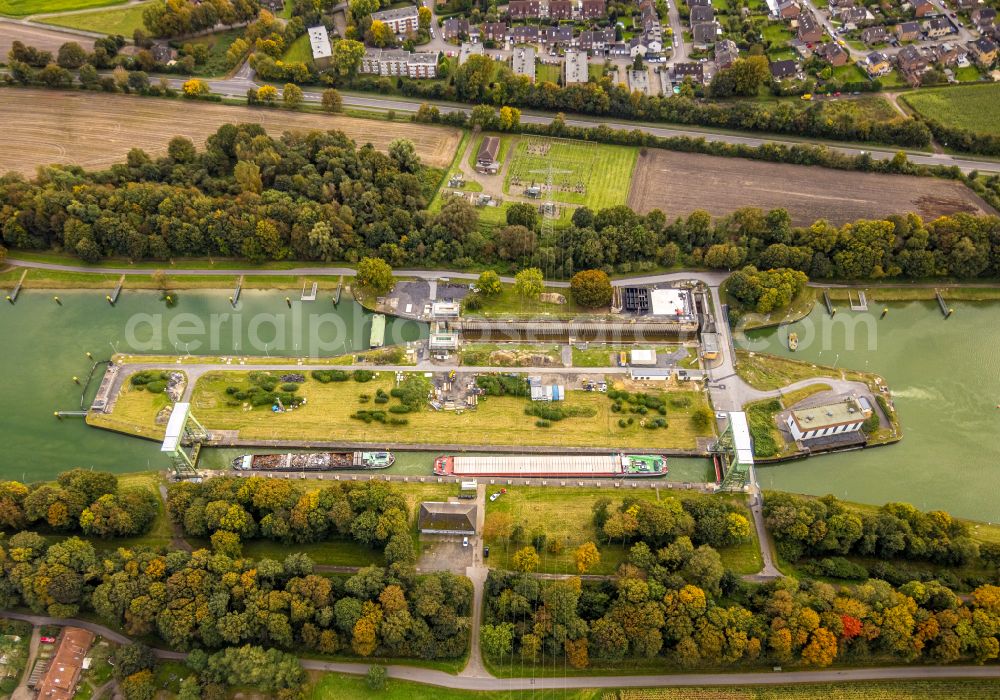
pixel 12 297
pixel 311 296
pixel 102 400
pixel 113 297
pixel 829 304
pixel 71 414
pixel 944 307
pixel 340 288
pixel 235 299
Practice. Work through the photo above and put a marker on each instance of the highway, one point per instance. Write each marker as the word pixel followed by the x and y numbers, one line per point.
pixel 237 88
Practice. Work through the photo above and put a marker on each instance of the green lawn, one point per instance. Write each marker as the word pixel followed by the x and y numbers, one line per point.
pixel 218 44
pixel 968 74
pixel 565 516
pixel 973 107
pixel 123 20
pixel 22 8
pixel 777 33
pixel 850 74
pixel 507 303
pixel 766 372
pixel 589 174
pixel 299 51
pixel 545 72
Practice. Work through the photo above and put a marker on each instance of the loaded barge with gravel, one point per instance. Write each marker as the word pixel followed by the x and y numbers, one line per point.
pixel 553 466
pixel 314 461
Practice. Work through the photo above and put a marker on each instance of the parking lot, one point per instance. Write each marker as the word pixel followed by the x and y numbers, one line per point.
pixel 445 553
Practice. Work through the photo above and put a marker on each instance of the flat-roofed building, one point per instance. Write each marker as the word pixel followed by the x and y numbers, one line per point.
pixel 523 62
pixel 400 20
pixel 671 302
pixel 845 416
pixel 468 50
pixel 575 67
pixel 319 42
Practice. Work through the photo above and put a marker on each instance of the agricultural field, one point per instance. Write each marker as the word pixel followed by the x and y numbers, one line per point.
pixel 973 107
pixel 588 174
pixel 23 8
pixel 565 516
pixel 115 20
pixel 95 131
pixel 679 183
pixel 327 415
pixel 44 39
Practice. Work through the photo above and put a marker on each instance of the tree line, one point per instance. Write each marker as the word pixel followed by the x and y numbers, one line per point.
pixel 79 501
pixel 373 513
pixel 317 196
pixel 211 599
pixel 183 17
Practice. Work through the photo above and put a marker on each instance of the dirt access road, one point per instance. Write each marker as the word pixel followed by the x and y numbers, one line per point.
pixel 679 183
pixel 94 131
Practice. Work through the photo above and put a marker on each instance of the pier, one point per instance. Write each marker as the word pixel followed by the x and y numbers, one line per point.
pixel 862 303
pixel 944 307
pixel 118 290
pixel 829 304
pixel 71 414
pixel 12 297
pixel 310 296
pixel 340 288
pixel 235 299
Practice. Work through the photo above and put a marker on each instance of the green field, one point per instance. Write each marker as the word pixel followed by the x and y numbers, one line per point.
pixel 565 516
pixel 299 51
pixel 22 8
pixel 122 20
pixel 545 72
pixel 973 107
pixel 589 174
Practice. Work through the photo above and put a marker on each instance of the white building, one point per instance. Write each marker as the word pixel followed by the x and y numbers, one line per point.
pixel 575 67
pixel 319 41
pixel 643 358
pixel 468 50
pixel 830 419
pixel 523 62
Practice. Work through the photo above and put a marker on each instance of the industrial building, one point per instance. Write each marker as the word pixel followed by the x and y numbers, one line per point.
pixel 643 357
pixel 709 346
pixel 486 159
pixel 845 416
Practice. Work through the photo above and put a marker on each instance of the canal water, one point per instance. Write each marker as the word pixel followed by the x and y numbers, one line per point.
pixel 945 379
pixel 44 346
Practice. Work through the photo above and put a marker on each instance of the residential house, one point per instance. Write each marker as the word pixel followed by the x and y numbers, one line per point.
pixel 851 17
pixel 983 17
pixel 809 29
pixel 401 20
pixel 596 40
pixel 837 5
pixel 618 50
pixel 556 36
pixel 695 71
pixel 702 14
pixel 560 9
pixel 911 62
pixel 789 9
pixel 924 8
pixel 455 29
pixel 593 9
pixel 908 31
pixel 524 9
pixel 468 49
pixel 876 64
pixel 950 54
pixel 874 35
pixel 966 4
pixel 704 35
pixel 319 42
pixel 782 70
pixel 523 62
pixel 574 69
pixel 726 52
pixel 938 27
pixel 699 3
pixel 984 51
pixel 495 31
pixel 832 53
pixel 525 35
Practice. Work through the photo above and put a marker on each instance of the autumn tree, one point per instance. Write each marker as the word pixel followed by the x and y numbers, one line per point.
pixel 587 556
pixel 291 95
pixel 526 559
pixel 332 100
pixel 195 87
pixel 375 276
pixel 591 288
pixel 489 284
pixel 529 284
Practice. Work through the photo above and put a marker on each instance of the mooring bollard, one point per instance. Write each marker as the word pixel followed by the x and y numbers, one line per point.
pixel 289 302
pixel 885 310
pixel 57 300
pixel 110 300
pixel 76 380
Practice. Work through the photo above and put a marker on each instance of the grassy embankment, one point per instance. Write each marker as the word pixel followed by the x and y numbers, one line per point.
pixel 143 279
pixel 327 416
pixel 23 8
pixel 566 516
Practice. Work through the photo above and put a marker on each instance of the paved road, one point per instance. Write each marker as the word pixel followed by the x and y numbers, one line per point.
pixel 445 680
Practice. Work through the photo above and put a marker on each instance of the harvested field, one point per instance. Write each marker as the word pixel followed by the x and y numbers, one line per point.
pixel 95 131
pixel 679 183
pixel 44 39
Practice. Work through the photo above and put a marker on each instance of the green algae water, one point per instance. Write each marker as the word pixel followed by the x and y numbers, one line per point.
pixel 45 345
pixel 945 380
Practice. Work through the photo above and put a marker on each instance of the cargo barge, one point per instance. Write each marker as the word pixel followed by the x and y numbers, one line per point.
pixel 554 466
pixel 314 461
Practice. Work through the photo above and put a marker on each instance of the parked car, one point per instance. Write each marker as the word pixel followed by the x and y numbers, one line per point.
pixel 494 496
pixel 486 551
pixel 48 640
pixel 465 541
